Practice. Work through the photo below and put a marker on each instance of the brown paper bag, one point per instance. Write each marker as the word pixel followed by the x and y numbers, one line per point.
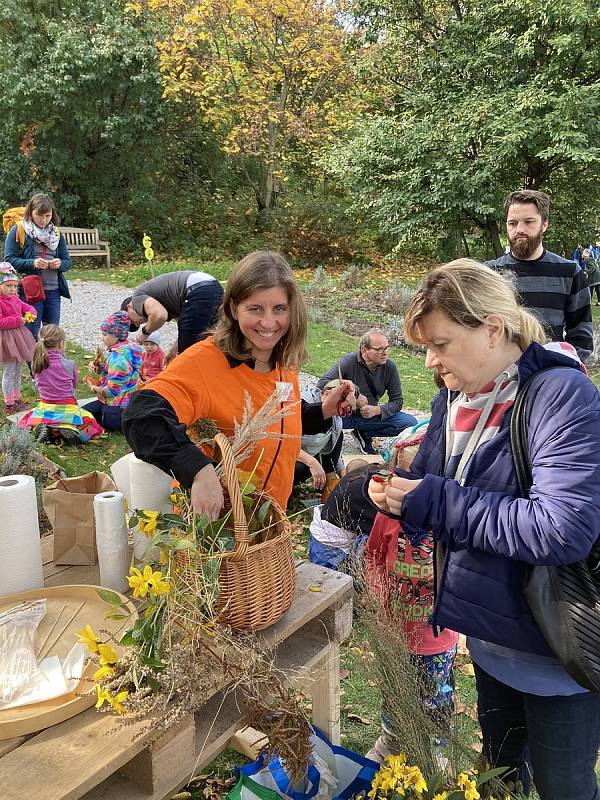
pixel 69 504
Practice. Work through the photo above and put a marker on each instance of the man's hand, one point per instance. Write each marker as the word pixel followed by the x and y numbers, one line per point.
pixel 368 411
pixel 207 493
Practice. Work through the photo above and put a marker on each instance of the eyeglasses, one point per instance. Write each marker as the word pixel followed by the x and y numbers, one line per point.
pixel 379 349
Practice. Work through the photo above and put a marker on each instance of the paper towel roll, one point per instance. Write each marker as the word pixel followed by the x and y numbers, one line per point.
pixel 112 540
pixel 20 546
pixel 146 488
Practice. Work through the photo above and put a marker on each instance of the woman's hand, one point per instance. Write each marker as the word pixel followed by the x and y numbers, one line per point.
pixel 389 494
pixel 318 473
pixel 54 264
pixel 340 400
pixel 40 263
pixel 207 493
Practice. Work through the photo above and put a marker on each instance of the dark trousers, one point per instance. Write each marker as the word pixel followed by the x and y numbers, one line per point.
pixel 108 416
pixel 328 462
pixel 199 311
pixel 555 740
pixel 375 426
pixel 48 312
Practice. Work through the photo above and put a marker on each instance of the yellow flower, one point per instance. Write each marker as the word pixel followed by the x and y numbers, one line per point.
pixel 89 639
pixel 104 696
pixel 468 786
pixel 158 584
pixel 163 557
pixel 29 316
pixel 107 654
pixel 440 796
pixel 148 522
pixel 117 701
pixel 139 581
pixel 103 672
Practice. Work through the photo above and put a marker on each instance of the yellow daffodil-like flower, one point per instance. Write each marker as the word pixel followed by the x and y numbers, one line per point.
pixel 107 655
pixel 148 522
pixel 139 581
pixel 163 557
pixel 104 696
pixel 148 581
pixel 29 316
pixel 468 786
pixel 440 796
pixel 103 672
pixel 117 701
pixel 89 639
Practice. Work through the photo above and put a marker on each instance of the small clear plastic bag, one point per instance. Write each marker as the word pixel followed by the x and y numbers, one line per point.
pixel 18 636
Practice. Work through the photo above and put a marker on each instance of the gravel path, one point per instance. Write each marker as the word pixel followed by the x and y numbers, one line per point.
pixel 94 301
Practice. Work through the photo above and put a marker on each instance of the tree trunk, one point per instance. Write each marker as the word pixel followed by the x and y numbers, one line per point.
pixel 491 227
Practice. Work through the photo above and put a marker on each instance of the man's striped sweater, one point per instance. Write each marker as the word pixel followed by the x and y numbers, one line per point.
pixel 556 291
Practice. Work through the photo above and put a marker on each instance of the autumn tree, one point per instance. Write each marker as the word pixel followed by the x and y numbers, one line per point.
pixel 470 99
pixel 269 76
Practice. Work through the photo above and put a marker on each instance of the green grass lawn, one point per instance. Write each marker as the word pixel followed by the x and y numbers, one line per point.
pixel 132 274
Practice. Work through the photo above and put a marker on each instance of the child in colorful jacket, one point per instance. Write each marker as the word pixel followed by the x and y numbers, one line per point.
pixel 120 372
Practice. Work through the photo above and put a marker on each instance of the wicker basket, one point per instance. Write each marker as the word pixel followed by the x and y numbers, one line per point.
pixel 257 581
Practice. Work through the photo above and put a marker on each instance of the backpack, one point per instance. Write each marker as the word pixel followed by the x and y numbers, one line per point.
pixel 13 216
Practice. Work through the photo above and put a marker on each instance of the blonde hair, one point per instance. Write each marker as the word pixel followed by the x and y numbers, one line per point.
pixel 51 337
pixel 260 270
pixel 467 292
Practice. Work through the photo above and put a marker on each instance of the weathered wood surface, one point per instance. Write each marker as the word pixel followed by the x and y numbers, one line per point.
pixel 96 756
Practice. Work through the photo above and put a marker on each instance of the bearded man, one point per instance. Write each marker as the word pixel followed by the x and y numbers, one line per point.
pixel 554 288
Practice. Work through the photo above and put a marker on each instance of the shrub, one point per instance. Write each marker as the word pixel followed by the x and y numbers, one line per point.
pixel 354 277
pixel 397 297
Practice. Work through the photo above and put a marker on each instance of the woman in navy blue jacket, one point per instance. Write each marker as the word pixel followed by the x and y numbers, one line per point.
pixel 462 489
pixel 43 253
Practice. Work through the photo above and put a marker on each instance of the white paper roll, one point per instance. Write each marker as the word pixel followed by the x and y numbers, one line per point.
pixel 146 488
pixel 20 545
pixel 112 540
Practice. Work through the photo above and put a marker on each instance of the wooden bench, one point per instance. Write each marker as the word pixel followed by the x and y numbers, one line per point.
pixel 86 242
pixel 98 757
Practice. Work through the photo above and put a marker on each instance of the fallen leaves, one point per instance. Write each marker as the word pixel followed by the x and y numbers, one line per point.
pixel 358 718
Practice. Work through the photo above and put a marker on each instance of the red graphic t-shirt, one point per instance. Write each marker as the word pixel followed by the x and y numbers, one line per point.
pixel 402 574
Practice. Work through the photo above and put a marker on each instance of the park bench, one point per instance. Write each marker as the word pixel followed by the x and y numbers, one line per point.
pixel 86 242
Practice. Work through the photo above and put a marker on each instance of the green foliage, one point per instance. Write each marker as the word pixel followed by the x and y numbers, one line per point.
pixel 469 101
pixel 81 102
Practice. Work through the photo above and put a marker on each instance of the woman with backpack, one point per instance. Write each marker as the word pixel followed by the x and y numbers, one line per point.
pixel 36 249
pixel 492 534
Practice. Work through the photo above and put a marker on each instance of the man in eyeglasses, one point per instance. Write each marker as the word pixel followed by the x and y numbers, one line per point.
pixel 375 374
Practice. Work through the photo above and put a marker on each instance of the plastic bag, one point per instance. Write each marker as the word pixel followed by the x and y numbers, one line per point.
pixel 18 635
pixel 334 773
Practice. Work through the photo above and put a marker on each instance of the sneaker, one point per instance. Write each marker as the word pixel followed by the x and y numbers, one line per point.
pixel 383 747
pixel 365 447
pixel 71 437
pixel 20 406
pixel 10 408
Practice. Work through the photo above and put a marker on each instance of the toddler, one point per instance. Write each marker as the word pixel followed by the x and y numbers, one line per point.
pixel 119 375
pixel 56 379
pixel 16 341
pixel 153 358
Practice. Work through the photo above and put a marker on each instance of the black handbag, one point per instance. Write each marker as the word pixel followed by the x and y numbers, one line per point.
pixel 564 600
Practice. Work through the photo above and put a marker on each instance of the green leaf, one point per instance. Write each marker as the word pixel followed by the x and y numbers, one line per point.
pixel 490 774
pixel 263 511
pixel 117 616
pixel 155 663
pixel 133 521
pixel 128 639
pixel 110 597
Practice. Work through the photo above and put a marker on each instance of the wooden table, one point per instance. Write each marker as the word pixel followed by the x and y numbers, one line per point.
pixel 95 755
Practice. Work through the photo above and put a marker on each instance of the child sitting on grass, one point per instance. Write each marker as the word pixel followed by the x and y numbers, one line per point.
pixel 119 375
pixel 56 379
pixel 153 358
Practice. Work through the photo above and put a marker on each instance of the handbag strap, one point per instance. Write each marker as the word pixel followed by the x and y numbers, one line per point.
pixel 518 434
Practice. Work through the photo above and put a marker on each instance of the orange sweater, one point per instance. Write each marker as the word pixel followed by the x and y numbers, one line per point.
pixel 200 382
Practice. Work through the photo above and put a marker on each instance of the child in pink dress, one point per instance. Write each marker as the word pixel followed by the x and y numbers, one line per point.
pixel 16 341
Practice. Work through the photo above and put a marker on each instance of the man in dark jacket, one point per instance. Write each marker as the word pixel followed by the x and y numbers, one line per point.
pixel 554 288
pixel 374 373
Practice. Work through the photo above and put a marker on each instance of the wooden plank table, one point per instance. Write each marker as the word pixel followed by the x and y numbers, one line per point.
pixel 96 756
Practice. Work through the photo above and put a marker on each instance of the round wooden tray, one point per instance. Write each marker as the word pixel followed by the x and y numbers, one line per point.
pixel 69 608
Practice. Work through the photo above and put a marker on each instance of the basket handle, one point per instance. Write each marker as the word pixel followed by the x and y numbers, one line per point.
pixel 240 526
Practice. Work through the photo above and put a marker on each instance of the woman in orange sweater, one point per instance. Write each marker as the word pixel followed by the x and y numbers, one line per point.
pixel 256 347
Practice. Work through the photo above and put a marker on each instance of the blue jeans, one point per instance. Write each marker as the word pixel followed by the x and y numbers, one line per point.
pixel 48 312
pixel 375 426
pixel 107 416
pixel 199 311
pixel 553 739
